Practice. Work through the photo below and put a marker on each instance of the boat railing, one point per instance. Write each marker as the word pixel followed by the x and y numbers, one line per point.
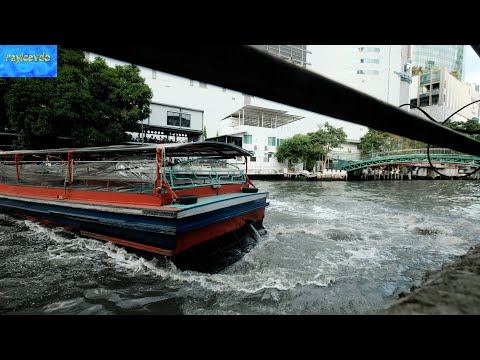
pixel 124 170
pixel 121 174
pixel 105 175
pixel 201 172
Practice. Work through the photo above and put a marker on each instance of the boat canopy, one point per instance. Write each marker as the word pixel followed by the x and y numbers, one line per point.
pixel 209 149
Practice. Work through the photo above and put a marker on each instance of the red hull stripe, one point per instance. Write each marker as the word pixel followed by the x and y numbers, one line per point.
pixel 127 243
pixel 111 198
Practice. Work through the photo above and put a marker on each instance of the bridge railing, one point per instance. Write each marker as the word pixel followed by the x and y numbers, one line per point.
pixel 433 151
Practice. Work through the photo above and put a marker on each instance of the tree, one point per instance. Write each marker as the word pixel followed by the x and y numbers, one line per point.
pixel 377 141
pixel 326 138
pixel 295 150
pixel 471 126
pixel 311 147
pixel 4 85
pixel 89 103
pixel 374 141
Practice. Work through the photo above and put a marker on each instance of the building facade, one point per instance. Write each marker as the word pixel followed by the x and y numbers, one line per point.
pixel 182 107
pixel 382 71
pixel 431 56
pixel 440 94
pixel 296 54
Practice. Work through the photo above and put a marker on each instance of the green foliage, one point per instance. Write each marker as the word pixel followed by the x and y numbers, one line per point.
pixel 309 148
pixel 4 85
pixel 375 141
pixel 325 139
pixel 295 149
pixel 89 103
pixel 469 125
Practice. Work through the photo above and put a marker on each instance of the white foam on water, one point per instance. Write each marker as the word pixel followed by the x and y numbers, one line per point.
pixel 139 303
pixel 97 293
pixel 42 231
pixel 62 305
pixel 367 256
pixel 312 229
pixel 94 309
pixel 251 282
pixel 260 279
pixel 323 213
pixel 133 265
pixel 190 310
pixel 276 204
pixel 472 210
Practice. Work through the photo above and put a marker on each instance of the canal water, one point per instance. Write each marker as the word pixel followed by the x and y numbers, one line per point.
pixel 331 248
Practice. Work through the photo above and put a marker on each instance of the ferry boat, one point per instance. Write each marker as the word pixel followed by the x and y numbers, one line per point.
pixel 170 199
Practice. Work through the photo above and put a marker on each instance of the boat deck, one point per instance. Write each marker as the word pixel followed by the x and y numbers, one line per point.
pixel 212 199
pixel 211 203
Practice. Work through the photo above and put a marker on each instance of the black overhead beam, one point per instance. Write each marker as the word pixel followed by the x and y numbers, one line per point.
pixel 476 48
pixel 252 71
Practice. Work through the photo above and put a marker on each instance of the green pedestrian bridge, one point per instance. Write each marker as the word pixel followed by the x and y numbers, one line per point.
pixel 411 157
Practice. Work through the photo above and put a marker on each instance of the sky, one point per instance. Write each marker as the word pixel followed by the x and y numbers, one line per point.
pixel 472 65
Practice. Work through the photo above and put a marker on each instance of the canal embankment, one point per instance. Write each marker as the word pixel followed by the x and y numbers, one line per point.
pixel 453 290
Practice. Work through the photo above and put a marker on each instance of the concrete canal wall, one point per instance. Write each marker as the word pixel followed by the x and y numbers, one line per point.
pixel 453 290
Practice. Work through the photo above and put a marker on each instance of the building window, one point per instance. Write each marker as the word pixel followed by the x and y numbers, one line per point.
pixel 202 84
pixel 247 139
pixel 266 159
pixel 434 99
pixel 185 120
pixel 178 119
pixel 424 78
pixel 279 142
pixel 413 101
pixel 424 101
pixel 272 141
pixel 367 61
pixel 253 159
pixel 368 72
pixel 367 49
pixel 173 118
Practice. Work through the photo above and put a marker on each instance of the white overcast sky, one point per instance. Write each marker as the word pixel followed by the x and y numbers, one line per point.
pixel 472 65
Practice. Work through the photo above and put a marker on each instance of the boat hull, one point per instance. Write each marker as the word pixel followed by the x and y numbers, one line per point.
pixel 165 230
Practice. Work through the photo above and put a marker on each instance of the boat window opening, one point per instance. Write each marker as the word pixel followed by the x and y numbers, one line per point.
pixel 200 172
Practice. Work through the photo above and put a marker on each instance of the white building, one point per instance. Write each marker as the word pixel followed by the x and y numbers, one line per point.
pixel 440 94
pixel 382 71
